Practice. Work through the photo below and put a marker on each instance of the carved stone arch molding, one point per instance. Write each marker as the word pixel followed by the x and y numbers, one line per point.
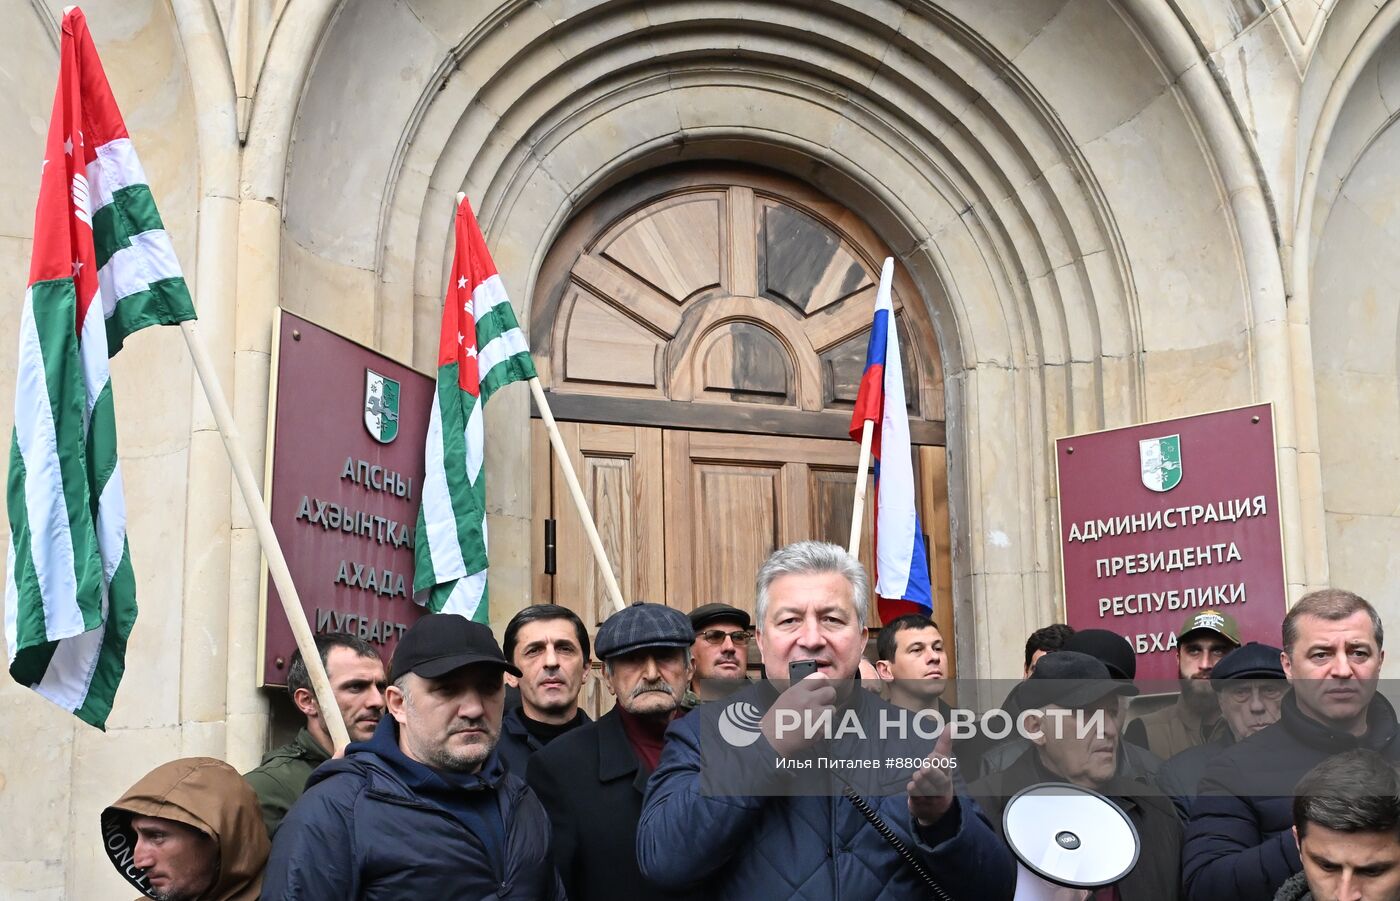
pixel 713 284
pixel 953 130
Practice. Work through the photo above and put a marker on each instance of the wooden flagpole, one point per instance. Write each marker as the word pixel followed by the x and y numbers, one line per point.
pixel 267 537
pixel 867 433
pixel 557 441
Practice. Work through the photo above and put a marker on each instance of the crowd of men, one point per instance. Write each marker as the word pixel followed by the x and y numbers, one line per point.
pixel 474 771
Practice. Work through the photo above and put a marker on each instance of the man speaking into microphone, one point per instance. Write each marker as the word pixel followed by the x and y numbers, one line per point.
pixel 812 603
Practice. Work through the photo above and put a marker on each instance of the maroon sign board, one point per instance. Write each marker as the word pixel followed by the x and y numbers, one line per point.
pixel 1166 519
pixel 346 432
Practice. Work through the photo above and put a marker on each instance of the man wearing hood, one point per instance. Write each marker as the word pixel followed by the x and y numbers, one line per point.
pixel 190 830
pixel 425 808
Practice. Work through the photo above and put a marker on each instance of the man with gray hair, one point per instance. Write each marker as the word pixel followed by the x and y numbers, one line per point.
pixel 591 779
pixel 1346 819
pixel 775 841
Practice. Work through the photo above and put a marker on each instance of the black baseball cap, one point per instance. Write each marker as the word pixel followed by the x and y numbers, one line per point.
pixel 442 642
pixel 1070 679
pixel 702 616
pixel 1109 648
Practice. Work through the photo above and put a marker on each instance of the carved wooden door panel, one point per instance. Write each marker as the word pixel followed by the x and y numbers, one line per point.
pixel 620 470
pixel 701 332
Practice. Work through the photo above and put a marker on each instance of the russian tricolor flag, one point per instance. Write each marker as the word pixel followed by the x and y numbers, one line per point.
pixel 901 564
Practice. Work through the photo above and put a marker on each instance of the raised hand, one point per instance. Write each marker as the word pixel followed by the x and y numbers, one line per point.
pixel 931 788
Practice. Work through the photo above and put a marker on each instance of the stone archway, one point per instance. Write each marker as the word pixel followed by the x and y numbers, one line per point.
pixel 702 331
pixel 1031 196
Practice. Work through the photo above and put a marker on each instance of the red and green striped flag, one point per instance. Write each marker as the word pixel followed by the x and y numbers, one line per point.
pixel 480 349
pixel 102 268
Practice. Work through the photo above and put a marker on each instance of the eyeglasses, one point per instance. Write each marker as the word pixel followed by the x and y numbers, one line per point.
pixel 1269 691
pixel 717 636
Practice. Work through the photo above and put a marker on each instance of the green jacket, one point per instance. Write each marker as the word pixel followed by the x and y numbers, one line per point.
pixel 281 778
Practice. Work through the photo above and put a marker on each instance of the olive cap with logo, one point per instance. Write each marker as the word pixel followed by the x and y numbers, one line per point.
pixel 1222 624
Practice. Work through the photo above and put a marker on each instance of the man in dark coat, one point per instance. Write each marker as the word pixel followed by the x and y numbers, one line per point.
pixel 1239 840
pixel 591 780
pixel 769 836
pixel 1347 816
pixel 549 645
pixel 1250 684
pixel 424 809
pixel 1070 681
pixel 1135 761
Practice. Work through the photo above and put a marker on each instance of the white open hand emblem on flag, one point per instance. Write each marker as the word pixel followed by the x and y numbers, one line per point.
pixel 1161 462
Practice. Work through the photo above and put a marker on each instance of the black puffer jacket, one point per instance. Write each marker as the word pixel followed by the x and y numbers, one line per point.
pixel 1239 840
pixel 365 830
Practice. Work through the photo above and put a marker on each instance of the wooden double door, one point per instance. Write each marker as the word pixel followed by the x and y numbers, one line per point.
pixel 687 517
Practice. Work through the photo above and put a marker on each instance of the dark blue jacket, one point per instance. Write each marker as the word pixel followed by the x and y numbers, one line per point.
pixel 376 825
pixel 818 848
pixel 1239 840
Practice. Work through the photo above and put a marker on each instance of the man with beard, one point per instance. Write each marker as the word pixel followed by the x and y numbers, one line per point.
pixel 549 645
pixel 720 652
pixel 424 809
pixel 1203 640
pixel 1250 684
pixel 1239 840
pixel 591 780
pixel 356 675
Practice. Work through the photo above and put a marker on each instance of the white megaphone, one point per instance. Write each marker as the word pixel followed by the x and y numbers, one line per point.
pixel 1068 841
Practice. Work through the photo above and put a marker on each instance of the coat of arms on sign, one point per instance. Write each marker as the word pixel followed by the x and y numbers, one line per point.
pixel 1161 462
pixel 381 406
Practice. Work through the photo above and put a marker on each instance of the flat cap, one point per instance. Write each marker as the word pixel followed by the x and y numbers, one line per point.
pixel 643 625
pixel 702 616
pixel 1253 661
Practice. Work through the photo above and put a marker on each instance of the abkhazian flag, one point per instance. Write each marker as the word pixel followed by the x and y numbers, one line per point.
pixel 901 562
pixel 102 268
pixel 480 349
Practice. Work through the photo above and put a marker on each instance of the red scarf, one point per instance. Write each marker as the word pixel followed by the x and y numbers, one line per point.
pixel 646 735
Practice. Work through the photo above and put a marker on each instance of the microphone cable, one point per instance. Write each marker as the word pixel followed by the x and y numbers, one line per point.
pixel 893 840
